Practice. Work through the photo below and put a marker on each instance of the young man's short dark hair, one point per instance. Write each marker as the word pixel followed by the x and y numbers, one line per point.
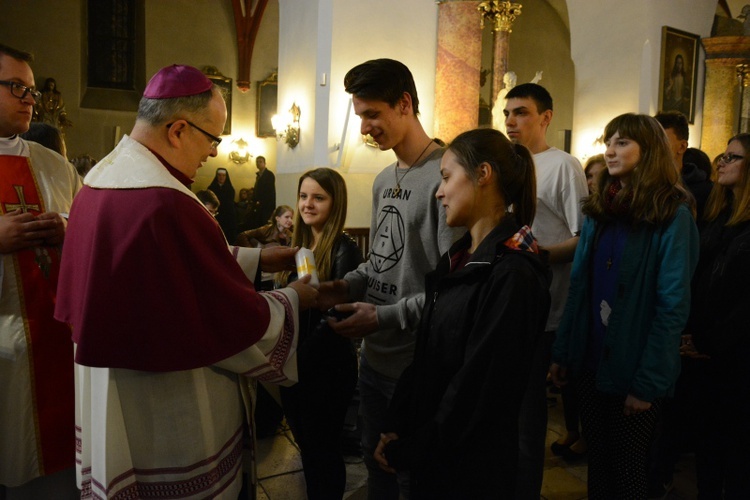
pixel 676 121
pixel 47 135
pixel 16 54
pixel 207 196
pixel 532 91
pixel 699 159
pixel 382 80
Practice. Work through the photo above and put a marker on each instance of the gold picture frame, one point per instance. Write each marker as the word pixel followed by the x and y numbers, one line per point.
pixel 267 104
pixel 225 84
pixel 678 78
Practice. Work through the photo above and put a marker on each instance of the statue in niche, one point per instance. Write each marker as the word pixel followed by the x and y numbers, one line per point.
pixel 745 15
pixel 509 81
pixel 51 107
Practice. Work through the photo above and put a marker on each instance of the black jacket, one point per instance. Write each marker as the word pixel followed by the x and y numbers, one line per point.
pixel 227 216
pixel 698 184
pixel 346 257
pixel 264 197
pixel 720 298
pixel 456 407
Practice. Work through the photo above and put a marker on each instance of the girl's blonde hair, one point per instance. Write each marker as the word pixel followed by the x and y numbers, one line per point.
pixel 655 184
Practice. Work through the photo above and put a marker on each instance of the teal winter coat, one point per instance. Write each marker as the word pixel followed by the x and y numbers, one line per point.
pixel 641 345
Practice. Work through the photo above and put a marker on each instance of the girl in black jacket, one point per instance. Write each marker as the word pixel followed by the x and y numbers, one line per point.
pixel 316 406
pixel 719 327
pixel 454 415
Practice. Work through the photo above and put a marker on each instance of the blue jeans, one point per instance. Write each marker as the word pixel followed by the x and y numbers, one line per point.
pixel 375 392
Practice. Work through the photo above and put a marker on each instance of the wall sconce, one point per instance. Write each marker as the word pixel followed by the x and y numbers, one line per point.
pixel 240 154
pixel 286 126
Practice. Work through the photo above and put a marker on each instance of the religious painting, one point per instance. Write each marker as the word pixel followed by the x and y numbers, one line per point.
pixel 679 71
pixel 225 84
pixel 266 108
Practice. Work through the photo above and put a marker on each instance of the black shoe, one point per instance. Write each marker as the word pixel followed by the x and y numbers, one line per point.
pixel 560 450
pixel 573 456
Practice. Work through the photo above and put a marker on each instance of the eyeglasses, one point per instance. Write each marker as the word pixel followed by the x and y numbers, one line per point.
pixel 730 158
pixel 21 91
pixel 215 141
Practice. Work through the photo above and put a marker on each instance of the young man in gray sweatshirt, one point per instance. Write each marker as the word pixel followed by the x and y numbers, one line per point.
pixel 408 234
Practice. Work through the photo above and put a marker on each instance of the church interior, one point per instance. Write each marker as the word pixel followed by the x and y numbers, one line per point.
pixel 282 63
pixel 597 59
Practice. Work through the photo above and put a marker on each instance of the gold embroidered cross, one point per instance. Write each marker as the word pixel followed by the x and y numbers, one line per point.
pixel 9 207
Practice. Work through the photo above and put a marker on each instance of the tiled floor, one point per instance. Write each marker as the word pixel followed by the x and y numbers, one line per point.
pixel 281 478
pixel 280 470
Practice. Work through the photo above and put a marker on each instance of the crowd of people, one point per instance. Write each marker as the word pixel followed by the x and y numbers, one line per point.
pixel 131 353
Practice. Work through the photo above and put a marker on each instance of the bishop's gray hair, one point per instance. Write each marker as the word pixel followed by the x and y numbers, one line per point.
pixel 159 111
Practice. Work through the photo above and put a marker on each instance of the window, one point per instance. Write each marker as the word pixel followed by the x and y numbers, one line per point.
pixel 111 39
pixel 115 54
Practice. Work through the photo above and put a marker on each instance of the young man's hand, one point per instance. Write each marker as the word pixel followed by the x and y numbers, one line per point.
pixel 362 322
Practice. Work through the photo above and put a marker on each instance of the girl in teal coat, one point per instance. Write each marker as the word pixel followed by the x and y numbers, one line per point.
pixel 628 303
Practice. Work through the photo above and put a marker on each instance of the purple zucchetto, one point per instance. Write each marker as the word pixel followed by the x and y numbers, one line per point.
pixel 177 81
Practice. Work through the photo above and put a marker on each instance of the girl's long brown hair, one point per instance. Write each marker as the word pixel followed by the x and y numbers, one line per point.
pixel 655 183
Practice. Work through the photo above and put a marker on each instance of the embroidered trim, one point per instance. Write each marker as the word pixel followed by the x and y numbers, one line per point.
pixel 134 483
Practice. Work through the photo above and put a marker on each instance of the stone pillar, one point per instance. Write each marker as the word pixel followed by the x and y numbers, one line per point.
pixel 743 81
pixel 502 14
pixel 499 61
pixel 459 60
pixel 720 113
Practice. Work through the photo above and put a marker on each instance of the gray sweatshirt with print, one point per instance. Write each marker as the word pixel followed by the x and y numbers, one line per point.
pixel 408 234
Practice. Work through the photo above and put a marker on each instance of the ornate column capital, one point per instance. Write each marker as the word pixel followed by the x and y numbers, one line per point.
pixel 743 74
pixel 501 13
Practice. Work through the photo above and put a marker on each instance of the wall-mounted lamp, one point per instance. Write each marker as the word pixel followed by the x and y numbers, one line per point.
pixel 286 126
pixel 239 154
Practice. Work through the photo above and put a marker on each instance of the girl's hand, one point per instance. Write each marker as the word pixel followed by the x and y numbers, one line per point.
pixel 634 406
pixel 559 374
pixel 380 451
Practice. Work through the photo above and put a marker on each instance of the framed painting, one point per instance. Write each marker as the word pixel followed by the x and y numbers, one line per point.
pixel 225 84
pixel 678 71
pixel 266 107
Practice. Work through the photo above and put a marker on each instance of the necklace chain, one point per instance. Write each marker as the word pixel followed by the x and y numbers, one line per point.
pixel 397 191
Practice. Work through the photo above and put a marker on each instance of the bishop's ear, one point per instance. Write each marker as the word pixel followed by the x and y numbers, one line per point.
pixel 175 131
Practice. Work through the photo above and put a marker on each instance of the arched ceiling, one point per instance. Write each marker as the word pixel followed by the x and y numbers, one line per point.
pixel 561 7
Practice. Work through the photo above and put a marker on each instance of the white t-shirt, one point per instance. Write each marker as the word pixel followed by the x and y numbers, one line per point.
pixel 560 186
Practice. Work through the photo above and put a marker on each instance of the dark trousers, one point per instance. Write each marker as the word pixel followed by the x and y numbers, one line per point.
pixel 532 423
pixel 678 425
pixel 722 460
pixel 315 408
pixel 571 406
pixel 375 392
pixel 618 445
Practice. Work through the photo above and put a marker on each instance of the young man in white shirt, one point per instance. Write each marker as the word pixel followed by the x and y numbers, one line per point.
pixel 561 184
